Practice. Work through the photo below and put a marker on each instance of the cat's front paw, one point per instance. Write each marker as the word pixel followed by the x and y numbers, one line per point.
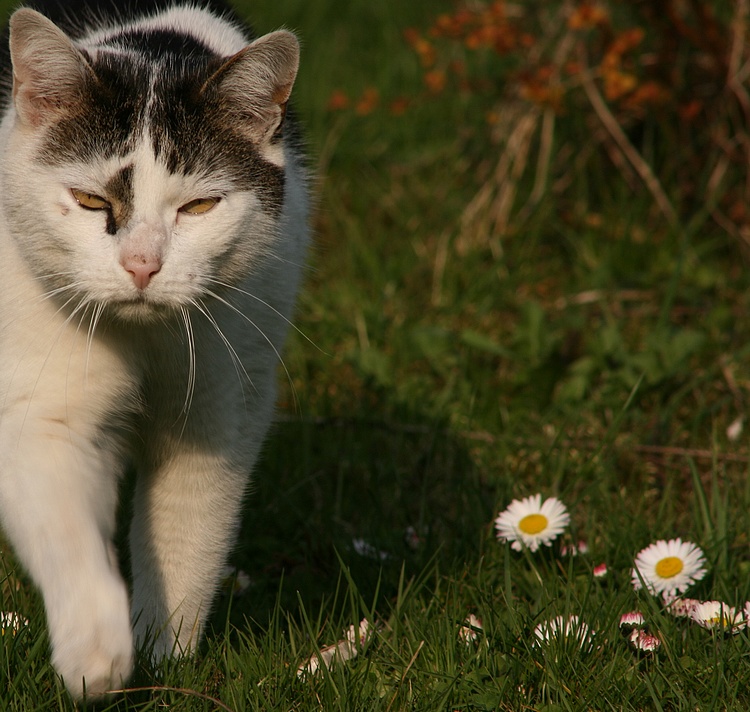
pixel 92 641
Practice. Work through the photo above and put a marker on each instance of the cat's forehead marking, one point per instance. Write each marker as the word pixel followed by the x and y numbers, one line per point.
pixel 119 192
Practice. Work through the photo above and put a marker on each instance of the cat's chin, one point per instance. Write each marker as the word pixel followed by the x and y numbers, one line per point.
pixel 141 311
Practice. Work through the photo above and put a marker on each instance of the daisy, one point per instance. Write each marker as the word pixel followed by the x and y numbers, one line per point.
pixel 235 581
pixel 574 549
pixel 600 571
pixel 715 614
pixel 12 622
pixel 560 627
pixel 680 607
pixel 355 639
pixel 468 632
pixel 634 619
pixel 669 566
pixel 530 522
pixel 641 640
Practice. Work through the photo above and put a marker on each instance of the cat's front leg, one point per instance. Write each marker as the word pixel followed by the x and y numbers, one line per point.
pixel 184 524
pixel 57 500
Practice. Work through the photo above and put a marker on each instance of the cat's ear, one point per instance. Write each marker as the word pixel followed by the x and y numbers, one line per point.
pixel 49 73
pixel 254 85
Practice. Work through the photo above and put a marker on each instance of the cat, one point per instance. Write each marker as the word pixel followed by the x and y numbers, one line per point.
pixel 153 227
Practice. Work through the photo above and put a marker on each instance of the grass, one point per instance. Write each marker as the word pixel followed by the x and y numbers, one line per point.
pixel 581 343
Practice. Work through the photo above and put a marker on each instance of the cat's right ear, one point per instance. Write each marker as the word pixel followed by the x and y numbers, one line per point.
pixel 49 72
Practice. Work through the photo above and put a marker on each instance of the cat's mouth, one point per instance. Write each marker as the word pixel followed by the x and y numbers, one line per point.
pixel 141 308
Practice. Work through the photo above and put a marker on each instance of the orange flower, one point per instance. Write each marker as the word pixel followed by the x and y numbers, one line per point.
pixel 587 16
pixel 435 81
pixel 424 49
pixel 689 111
pixel 338 101
pixel 368 102
pixel 649 93
pixel 617 84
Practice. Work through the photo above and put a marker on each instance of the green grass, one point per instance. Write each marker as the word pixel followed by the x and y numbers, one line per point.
pixel 590 350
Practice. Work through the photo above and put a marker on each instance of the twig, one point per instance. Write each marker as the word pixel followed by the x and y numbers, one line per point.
pixel 629 151
pixel 691 452
pixel 490 438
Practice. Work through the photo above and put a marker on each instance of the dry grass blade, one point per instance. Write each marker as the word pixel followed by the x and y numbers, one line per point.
pixel 488 214
pixel 614 129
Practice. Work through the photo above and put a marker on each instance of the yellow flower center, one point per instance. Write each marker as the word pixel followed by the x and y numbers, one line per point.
pixel 533 524
pixel 669 566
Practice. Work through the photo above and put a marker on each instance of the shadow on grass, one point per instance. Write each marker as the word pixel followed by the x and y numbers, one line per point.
pixel 379 500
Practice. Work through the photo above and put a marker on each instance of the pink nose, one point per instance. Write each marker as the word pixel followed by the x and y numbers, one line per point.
pixel 141 268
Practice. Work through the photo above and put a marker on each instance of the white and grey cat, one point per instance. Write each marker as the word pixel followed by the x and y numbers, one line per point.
pixel 153 220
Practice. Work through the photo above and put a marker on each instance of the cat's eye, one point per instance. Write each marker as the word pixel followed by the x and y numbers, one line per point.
pixel 199 206
pixel 90 201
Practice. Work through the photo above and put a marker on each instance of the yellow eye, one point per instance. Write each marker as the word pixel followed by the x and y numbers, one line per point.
pixel 199 206
pixel 89 200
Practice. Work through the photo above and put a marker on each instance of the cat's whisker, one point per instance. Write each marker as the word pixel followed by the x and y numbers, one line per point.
pixel 234 288
pixel 83 306
pixel 190 336
pixel 93 322
pixel 265 337
pixel 236 361
pixel 50 295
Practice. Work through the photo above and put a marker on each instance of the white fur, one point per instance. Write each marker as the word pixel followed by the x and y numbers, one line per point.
pixel 195 393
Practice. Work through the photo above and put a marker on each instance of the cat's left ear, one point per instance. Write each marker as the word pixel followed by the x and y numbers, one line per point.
pixel 254 85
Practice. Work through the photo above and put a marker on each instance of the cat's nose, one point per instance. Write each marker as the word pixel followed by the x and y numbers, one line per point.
pixel 141 268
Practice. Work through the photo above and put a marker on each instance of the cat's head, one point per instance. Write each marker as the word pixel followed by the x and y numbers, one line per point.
pixel 144 167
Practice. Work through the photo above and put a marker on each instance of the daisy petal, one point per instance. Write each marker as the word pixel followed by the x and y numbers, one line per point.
pixel 571 628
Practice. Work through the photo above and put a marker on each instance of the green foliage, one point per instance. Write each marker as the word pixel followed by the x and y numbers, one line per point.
pixel 492 316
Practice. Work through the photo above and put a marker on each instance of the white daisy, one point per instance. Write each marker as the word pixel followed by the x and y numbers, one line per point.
pixel 680 607
pixel 468 632
pixel 634 619
pixel 235 581
pixel 530 522
pixel 569 628
pixel 11 622
pixel 718 615
pixel 355 639
pixel 643 641
pixel 574 549
pixel 669 566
